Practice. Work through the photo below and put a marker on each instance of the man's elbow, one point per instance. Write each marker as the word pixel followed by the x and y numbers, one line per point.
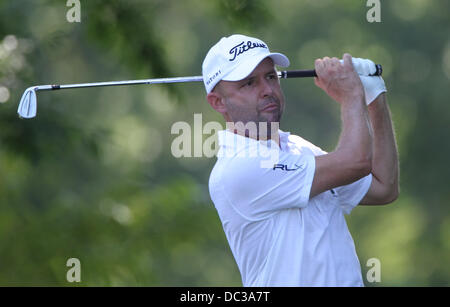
pixel 390 199
pixel 390 196
pixel 392 189
pixel 394 194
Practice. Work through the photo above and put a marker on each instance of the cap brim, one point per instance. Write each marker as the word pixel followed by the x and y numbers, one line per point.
pixel 242 71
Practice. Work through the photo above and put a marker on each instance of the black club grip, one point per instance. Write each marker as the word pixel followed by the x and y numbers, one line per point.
pixel 312 73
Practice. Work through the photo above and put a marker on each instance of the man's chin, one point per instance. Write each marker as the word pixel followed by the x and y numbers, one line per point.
pixel 269 125
pixel 274 117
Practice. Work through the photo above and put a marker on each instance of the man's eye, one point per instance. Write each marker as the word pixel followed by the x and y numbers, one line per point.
pixel 249 83
pixel 272 77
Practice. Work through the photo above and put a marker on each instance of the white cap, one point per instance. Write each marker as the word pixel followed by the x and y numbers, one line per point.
pixel 234 57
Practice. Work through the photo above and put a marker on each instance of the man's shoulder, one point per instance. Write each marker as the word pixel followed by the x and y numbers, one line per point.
pixel 303 144
pixel 298 140
pixel 242 166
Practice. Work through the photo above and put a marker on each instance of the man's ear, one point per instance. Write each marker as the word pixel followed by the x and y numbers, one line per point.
pixel 216 102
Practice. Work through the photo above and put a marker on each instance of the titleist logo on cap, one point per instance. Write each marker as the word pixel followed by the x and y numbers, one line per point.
pixel 241 48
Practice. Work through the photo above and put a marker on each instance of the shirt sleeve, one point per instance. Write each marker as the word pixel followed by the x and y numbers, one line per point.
pixel 350 195
pixel 258 192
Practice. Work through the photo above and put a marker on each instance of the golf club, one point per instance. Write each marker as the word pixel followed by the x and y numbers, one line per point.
pixel 28 102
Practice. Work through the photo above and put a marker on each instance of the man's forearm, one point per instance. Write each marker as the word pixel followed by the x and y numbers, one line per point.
pixel 384 149
pixel 352 159
pixel 355 140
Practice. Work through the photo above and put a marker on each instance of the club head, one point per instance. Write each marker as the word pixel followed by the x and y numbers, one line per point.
pixel 28 104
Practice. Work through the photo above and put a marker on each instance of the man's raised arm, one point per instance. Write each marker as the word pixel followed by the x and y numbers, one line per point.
pixel 385 169
pixel 352 158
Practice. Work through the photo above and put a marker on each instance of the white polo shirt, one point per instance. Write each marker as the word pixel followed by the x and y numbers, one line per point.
pixel 278 236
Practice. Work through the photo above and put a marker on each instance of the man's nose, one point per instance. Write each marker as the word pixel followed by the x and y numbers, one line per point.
pixel 266 88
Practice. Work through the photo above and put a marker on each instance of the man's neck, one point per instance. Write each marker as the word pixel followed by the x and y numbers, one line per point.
pixel 261 133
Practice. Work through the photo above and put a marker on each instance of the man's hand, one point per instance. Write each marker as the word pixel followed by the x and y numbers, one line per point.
pixel 373 85
pixel 339 80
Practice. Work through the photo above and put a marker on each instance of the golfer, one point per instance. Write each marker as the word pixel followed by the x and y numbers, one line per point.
pixel 285 223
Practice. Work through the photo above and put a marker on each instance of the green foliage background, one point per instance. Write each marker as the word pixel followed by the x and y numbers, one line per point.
pixel 93 177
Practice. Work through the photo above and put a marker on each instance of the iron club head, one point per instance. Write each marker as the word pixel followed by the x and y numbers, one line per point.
pixel 28 104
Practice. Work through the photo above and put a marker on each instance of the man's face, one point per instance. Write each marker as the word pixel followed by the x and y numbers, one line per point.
pixel 257 98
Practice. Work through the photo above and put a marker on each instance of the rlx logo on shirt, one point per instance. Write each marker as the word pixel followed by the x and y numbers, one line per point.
pixel 284 167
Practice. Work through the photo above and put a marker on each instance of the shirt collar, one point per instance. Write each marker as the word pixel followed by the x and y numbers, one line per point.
pixel 237 141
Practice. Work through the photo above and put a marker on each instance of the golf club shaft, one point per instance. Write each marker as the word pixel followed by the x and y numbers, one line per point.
pixel 281 74
pixel 28 102
pixel 116 83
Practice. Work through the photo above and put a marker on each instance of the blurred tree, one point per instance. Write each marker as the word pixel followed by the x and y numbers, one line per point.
pixel 92 176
